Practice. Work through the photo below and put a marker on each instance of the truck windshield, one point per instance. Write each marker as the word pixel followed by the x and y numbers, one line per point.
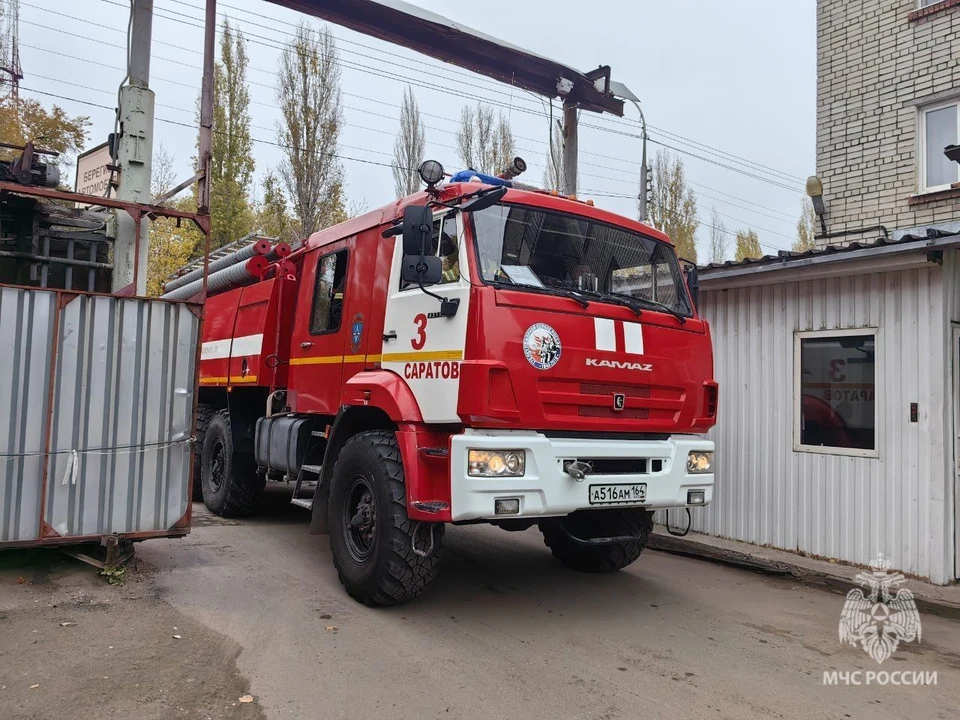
pixel 534 248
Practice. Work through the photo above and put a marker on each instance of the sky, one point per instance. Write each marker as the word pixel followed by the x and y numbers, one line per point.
pixel 730 85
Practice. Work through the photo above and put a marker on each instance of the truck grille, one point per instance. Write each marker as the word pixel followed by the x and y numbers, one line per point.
pixel 572 398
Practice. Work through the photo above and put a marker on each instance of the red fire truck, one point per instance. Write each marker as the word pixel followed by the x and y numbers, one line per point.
pixel 475 353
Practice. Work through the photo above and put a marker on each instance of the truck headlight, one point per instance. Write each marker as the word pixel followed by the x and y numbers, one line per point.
pixel 699 462
pixel 495 463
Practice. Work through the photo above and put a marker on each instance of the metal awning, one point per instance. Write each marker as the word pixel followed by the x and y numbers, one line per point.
pixel 431 34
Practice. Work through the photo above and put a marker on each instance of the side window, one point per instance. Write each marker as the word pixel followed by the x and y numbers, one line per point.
pixel 328 293
pixel 837 406
pixel 444 243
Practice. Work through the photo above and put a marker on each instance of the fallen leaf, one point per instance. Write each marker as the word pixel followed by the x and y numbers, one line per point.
pixel 67 624
pixel 177 637
pixel 330 627
pixel 246 698
pixel 34 687
pixel 20 581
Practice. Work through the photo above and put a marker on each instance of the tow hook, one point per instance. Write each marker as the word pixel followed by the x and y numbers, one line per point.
pixel 578 470
pixel 413 539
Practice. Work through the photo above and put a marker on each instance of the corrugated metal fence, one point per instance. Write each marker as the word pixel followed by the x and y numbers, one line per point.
pixel 96 412
pixel 849 508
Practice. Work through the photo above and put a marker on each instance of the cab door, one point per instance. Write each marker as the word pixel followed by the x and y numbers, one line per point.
pixel 321 328
pixel 419 345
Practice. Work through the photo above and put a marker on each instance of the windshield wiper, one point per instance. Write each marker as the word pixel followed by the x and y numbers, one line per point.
pixel 612 298
pixel 665 308
pixel 555 291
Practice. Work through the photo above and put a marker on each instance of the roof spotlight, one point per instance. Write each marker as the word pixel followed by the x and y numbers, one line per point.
pixel 431 172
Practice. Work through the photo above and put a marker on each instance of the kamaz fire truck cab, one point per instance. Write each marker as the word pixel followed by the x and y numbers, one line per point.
pixel 473 353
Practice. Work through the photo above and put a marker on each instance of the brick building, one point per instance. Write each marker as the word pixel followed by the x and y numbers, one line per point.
pixel 888 102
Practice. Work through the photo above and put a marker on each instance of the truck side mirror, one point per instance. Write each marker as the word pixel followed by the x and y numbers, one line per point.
pixel 417 227
pixel 693 285
pixel 418 270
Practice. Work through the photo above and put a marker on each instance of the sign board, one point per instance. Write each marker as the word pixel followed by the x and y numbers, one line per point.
pixel 93 172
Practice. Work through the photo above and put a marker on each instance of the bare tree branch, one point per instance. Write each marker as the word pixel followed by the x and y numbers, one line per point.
pixel 409 147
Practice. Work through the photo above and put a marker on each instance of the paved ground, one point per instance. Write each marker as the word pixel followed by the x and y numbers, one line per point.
pixel 505 632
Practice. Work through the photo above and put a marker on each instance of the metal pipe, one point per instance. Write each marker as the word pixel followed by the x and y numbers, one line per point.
pixel 570 147
pixel 856 231
pixel 234 276
pixel 260 247
pixel 279 252
pixel 46 259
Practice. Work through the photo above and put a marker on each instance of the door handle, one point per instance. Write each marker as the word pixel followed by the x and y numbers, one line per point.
pixel 392 335
pixel 306 345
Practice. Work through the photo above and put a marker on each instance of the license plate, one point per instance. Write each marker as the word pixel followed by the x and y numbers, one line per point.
pixel 633 494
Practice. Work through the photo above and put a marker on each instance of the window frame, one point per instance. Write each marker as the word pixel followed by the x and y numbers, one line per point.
pixel 316 284
pixel 442 216
pixel 922 188
pixel 801 335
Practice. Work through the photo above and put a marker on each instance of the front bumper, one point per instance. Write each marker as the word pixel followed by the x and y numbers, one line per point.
pixel 545 490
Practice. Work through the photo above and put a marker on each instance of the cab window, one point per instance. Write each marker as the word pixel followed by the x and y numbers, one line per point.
pixel 328 293
pixel 444 243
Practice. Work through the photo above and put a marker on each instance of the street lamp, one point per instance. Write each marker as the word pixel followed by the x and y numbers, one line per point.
pixel 815 191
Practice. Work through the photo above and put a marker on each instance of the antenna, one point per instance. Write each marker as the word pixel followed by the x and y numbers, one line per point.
pixel 10 71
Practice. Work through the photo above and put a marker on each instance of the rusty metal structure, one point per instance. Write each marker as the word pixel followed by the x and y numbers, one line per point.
pixel 98 389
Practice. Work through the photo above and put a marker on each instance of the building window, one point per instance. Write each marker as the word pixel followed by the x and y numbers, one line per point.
pixel 835 394
pixel 939 127
pixel 927 3
pixel 328 293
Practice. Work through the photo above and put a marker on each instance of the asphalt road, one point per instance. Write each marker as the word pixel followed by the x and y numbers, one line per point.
pixel 255 607
pixel 506 632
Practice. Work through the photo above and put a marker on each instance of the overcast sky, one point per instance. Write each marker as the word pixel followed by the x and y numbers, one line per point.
pixel 738 77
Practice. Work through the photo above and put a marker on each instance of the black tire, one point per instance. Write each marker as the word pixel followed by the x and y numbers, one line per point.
pixel 588 524
pixel 375 561
pixel 231 486
pixel 205 414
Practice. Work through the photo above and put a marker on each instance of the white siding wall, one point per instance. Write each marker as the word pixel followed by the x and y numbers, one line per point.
pixel 848 508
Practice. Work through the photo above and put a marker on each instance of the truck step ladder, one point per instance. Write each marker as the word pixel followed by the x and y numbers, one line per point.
pixel 306 502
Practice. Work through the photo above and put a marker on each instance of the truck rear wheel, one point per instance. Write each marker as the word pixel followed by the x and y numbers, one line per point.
pixel 561 535
pixel 371 536
pixel 229 479
pixel 205 414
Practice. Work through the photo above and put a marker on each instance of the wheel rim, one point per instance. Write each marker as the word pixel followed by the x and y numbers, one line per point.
pixel 218 465
pixel 360 519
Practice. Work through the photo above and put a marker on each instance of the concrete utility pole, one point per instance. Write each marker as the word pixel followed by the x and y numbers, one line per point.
pixel 570 146
pixel 135 152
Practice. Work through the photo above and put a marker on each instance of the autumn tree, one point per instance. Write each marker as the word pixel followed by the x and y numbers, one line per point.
pixel 553 176
pixel 484 140
pixel 308 93
pixel 51 129
pixel 170 247
pixel 719 239
pixel 409 147
pixel 273 211
pixel 232 165
pixel 747 245
pixel 806 227
pixel 674 206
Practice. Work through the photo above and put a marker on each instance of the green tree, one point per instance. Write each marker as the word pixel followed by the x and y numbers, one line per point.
pixel 51 129
pixel 747 245
pixel 484 140
pixel 231 172
pixel 409 147
pixel 806 227
pixel 308 93
pixel 273 212
pixel 674 206
pixel 171 247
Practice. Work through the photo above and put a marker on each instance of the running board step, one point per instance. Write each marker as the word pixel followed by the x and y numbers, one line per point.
pixel 312 469
pixel 302 502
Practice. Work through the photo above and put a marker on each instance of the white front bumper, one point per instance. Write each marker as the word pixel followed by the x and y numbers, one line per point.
pixel 546 490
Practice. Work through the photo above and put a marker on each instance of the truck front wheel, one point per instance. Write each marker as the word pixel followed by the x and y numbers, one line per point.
pixel 231 487
pixel 569 538
pixel 371 537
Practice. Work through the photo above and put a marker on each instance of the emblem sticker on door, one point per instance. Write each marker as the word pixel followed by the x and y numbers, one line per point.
pixel 541 345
